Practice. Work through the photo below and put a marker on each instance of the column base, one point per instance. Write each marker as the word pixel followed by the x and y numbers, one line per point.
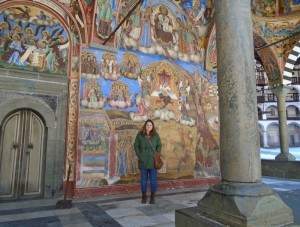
pixel 285 157
pixel 238 204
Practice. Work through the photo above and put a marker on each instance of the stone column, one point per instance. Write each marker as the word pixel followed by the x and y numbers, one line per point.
pixel 240 198
pixel 281 92
pixel 237 93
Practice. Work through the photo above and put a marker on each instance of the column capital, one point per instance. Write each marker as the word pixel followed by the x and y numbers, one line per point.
pixel 281 90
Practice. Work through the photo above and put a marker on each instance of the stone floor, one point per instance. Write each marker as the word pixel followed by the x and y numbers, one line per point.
pixel 125 210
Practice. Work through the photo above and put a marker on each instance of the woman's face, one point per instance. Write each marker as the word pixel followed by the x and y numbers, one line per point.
pixel 149 126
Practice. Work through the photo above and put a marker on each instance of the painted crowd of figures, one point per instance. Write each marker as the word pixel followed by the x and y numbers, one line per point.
pixel 145 28
pixel 158 24
pixel 29 39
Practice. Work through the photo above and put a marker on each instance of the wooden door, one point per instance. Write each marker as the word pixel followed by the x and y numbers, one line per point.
pixel 22 144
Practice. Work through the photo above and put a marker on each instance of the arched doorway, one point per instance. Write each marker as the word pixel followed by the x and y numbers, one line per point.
pixel 22 155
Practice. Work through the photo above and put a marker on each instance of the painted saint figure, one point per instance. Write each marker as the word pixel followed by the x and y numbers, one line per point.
pixel 163 26
pixel 212 52
pixel 196 13
pixel 145 39
pixel 16 50
pixel 136 25
pixel 105 18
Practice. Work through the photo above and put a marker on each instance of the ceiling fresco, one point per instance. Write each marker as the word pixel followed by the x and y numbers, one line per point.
pixel 258 41
pixel 276 28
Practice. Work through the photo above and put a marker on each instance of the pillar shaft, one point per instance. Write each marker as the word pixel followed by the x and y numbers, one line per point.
pixel 239 139
pixel 284 143
pixel 281 92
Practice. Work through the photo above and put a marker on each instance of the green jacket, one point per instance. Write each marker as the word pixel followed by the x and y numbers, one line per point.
pixel 144 151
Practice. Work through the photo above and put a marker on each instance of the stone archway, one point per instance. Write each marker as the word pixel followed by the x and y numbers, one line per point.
pixel 22 152
pixel 24 103
pixel 51 126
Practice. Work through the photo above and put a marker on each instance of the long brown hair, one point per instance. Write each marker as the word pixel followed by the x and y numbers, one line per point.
pixel 152 132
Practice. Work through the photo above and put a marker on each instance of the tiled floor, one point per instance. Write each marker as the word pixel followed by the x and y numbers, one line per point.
pixel 124 210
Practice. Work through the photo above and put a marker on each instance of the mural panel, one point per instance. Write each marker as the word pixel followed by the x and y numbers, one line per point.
pixel 273 31
pixel 270 8
pixel 289 6
pixel 258 41
pixel 118 92
pixel 164 28
pixel 33 40
pixel 105 21
pixel 264 8
pixel 271 66
pixel 88 11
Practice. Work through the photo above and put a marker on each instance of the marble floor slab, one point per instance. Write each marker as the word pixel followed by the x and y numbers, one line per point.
pixel 124 210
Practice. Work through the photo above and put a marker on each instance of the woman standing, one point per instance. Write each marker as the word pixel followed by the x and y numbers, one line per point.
pixel 146 143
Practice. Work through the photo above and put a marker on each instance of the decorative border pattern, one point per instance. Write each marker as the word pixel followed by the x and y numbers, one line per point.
pixel 289 65
pixel 72 128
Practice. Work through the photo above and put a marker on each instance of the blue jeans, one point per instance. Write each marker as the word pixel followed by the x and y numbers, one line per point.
pixel 144 178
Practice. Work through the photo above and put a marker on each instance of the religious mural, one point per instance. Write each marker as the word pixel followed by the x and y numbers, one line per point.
pixel 33 40
pixel 258 41
pixel 113 109
pixel 273 30
pixel 264 8
pixel 88 11
pixel 160 65
pixel 166 29
pixel 271 66
pixel 93 140
pixel 289 6
pixel 105 18
pixel 280 31
pixel 269 8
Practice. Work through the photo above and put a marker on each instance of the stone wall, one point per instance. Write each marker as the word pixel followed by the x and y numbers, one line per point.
pixel 281 169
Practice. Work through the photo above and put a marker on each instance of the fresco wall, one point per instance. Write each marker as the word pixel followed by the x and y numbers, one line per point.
pixel 160 64
pixel 156 73
pixel 153 67
pixel 289 6
pixel 119 91
pixel 270 8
